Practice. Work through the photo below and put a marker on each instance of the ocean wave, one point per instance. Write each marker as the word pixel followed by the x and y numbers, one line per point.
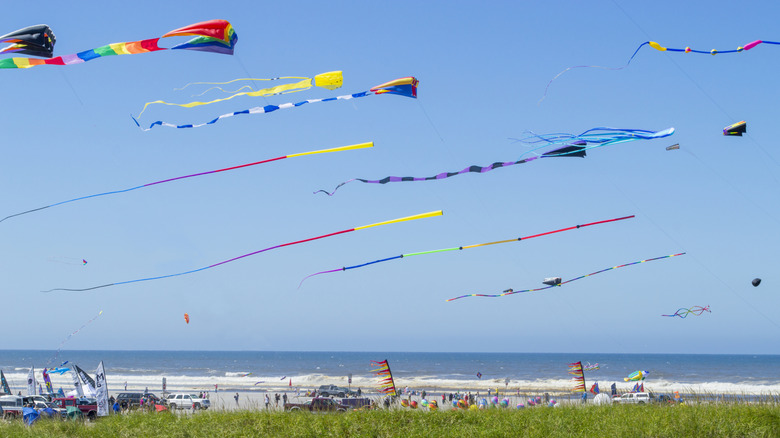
pixel 233 381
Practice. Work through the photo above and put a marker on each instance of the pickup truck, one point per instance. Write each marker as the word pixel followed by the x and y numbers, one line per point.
pixel 88 407
pixel 333 390
pixel 319 404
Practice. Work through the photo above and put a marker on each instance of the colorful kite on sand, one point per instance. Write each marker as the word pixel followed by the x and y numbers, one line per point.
pixel 330 80
pixel 215 36
pixel 511 292
pixel 660 48
pixel 402 87
pixel 35 40
pixel 589 367
pixel 349 230
pixel 555 145
pixel 459 248
pixel 695 310
pixel 636 376
pixel 240 166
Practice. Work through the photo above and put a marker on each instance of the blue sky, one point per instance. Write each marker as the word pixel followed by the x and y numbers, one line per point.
pixel 482 70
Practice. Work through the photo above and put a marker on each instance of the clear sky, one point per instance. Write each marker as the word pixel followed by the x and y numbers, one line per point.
pixel 482 66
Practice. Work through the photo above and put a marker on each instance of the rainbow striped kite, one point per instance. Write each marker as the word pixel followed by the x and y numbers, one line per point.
pixel 215 36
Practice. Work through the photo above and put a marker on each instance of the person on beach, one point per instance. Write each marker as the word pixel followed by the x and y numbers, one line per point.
pixel 276 399
pixel 359 392
pixel 443 398
pixel 267 402
pixel 284 398
pixel 236 397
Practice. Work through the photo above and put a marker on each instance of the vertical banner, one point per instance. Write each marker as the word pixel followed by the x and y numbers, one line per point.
pixel 6 388
pixel 31 381
pixel 47 381
pixel 102 390
pixel 88 383
pixel 575 369
pixel 386 382
pixel 77 383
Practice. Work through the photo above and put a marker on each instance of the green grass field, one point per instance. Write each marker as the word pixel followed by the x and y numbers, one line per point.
pixel 724 420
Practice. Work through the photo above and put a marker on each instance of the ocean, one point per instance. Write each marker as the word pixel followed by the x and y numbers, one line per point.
pixel 286 371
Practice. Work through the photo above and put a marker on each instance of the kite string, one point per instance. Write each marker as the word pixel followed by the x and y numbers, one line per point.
pixel 67 338
pixel 512 292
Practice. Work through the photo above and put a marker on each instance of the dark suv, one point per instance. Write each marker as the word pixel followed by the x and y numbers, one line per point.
pixel 333 390
pixel 133 399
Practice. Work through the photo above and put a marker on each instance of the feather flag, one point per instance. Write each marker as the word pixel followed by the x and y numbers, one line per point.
pixel 575 369
pixel 386 382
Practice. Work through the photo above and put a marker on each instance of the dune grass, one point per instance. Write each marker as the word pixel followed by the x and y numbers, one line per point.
pixel 722 420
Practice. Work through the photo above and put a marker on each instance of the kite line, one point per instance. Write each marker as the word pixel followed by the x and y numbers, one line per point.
pixel 349 230
pixel 300 154
pixel 566 145
pixel 458 248
pixel 660 48
pixel 403 86
pixel 67 338
pixel 511 292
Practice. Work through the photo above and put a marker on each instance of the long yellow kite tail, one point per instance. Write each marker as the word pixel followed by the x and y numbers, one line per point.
pixel 236 80
pixel 403 219
pixel 302 85
pixel 369 144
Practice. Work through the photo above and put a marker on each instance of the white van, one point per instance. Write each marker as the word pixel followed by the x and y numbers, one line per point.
pixel 635 397
pixel 12 404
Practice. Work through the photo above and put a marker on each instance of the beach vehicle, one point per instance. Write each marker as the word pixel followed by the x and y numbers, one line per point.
pixel 356 403
pixel 635 397
pixel 87 406
pixel 318 404
pixel 12 405
pixel 187 401
pixel 133 399
pixel 333 390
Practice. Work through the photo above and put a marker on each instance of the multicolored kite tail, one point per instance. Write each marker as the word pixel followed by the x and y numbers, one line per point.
pixel 322 151
pixel 512 292
pixel 393 221
pixel 215 36
pixel 695 310
pixel 458 248
pixel 403 87
pixel 660 48
pixel 330 80
pixel 67 338
pixel 574 145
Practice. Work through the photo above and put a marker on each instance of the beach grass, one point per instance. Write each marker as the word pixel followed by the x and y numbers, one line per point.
pixel 706 420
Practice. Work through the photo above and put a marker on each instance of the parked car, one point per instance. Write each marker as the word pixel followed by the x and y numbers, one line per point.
pixel 318 404
pixel 333 390
pixel 635 397
pixel 133 399
pixel 187 401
